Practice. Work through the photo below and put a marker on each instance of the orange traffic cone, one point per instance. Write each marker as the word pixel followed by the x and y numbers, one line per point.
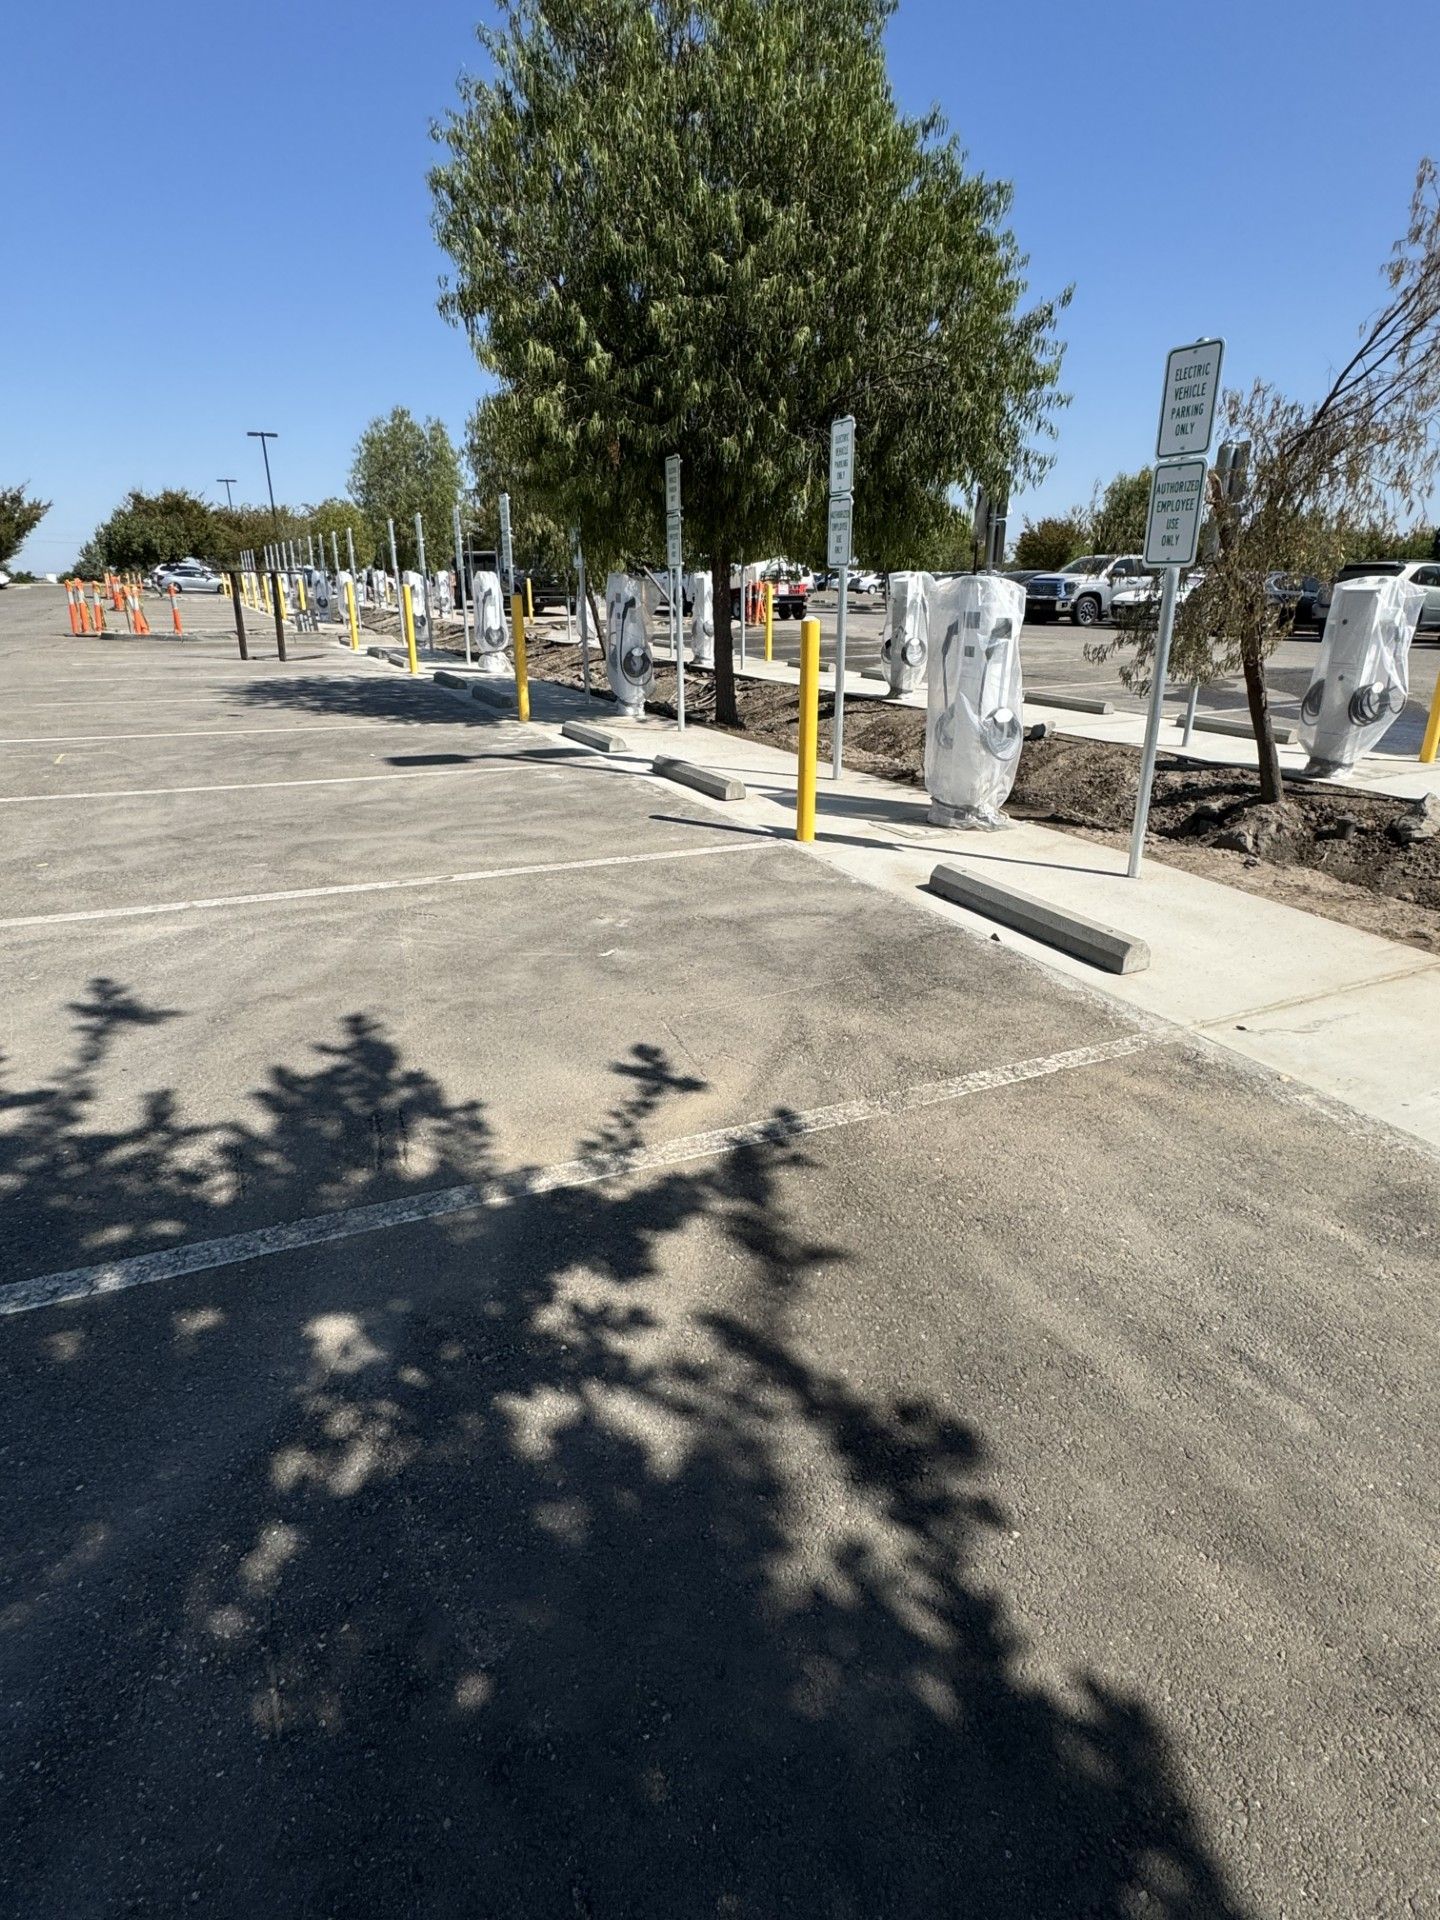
pixel 99 608
pixel 70 606
pixel 175 609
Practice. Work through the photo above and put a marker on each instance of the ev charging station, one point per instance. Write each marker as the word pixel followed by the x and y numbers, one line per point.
pixel 702 619
pixel 629 661
pixel 904 644
pixel 1362 675
pixel 974 730
pixel 491 635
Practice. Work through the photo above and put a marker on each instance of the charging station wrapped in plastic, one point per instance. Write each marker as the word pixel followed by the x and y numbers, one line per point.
pixel 628 658
pixel 416 583
pixel 490 632
pixel 973 728
pixel 1362 677
pixel 702 619
pixel 904 644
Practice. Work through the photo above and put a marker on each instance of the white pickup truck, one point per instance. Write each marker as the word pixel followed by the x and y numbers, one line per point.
pixel 1084 589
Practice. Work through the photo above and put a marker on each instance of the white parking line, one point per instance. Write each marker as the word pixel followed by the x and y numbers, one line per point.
pixel 202 1256
pixel 755 844
pixel 253 786
pixel 197 733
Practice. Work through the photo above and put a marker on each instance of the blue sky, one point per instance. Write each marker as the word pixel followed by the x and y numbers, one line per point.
pixel 217 218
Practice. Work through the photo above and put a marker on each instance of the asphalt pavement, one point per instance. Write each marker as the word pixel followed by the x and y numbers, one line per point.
pixel 561 1358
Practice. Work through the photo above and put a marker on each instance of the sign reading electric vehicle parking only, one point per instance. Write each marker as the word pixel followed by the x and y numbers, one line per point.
pixel 1177 500
pixel 1187 411
pixel 842 454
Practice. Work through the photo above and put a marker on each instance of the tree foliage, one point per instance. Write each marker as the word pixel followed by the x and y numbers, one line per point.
pixel 20 514
pixel 1321 475
pixel 1116 521
pixel 702 227
pixel 496 453
pixel 147 528
pixel 1052 541
pixel 402 467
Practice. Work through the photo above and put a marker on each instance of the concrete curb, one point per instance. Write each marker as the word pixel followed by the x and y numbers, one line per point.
pixel 719 786
pixel 495 693
pixel 1235 729
pixel 1071 702
pixel 1072 933
pixel 595 737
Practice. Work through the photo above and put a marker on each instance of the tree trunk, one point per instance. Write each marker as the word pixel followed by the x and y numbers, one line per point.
pixel 1258 696
pixel 727 709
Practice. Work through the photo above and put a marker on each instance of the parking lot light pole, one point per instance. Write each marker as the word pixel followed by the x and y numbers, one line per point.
pixel 227 485
pixel 264 438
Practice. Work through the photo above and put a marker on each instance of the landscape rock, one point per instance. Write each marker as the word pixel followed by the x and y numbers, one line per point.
pixel 1422 822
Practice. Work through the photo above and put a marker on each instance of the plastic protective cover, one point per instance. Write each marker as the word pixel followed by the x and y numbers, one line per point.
pixel 628 659
pixel 973 729
pixel 490 635
pixel 416 584
pixel 1362 676
pixel 904 644
pixel 702 619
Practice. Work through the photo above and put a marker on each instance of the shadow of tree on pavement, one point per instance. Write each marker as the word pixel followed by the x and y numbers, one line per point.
pixel 518 1562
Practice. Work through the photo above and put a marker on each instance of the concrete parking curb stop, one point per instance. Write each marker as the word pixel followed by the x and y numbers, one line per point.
pixel 718 786
pixel 495 693
pixel 595 737
pixel 1238 729
pixel 1072 702
pixel 1072 933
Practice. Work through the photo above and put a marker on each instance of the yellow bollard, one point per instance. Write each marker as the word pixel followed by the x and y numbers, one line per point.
pixel 809 729
pixel 350 615
pixel 529 600
pixel 408 617
pixel 1432 729
pixel 300 589
pixel 522 676
pixel 769 619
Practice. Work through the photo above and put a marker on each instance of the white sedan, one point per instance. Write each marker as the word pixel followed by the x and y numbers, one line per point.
pixel 187 576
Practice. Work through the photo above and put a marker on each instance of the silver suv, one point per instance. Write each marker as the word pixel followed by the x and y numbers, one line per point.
pixel 187 576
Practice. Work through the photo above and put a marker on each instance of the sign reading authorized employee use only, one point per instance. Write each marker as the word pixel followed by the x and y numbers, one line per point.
pixel 1177 499
pixel 1192 388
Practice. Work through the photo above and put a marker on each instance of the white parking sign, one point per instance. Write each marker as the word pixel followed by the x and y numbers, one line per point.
pixel 1177 503
pixel 1187 410
pixel 838 551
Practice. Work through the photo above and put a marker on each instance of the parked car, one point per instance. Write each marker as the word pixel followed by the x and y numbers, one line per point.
pixel 863 581
pixel 187 576
pixel 1084 589
pixel 1300 593
pixel 1420 573
pixel 1129 602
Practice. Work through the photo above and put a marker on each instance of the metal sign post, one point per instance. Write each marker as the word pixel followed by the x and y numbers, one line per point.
pixel 507 556
pixel 674 541
pixel 395 564
pixel 582 608
pixel 460 593
pixel 839 554
pixel 1172 528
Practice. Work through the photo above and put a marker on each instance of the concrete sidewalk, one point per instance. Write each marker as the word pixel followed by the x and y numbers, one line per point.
pixel 1342 1013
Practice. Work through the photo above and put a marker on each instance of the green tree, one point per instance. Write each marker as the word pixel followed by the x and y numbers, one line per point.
pixel 403 467
pixel 1052 541
pixel 1320 475
pixel 19 517
pixel 495 454
pixel 147 528
pixel 1117 516
pixel 702 227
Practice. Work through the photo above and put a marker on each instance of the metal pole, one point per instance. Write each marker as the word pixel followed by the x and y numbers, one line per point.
pixel 229 497
pixel 425 584
pixel 1190 706
pixel 460 594
pixel 350 549
pixel 839 722
pixel 238 600
pixel 1168 593
pixel 394 558
pixel 676 624
pixel 584 619
pixel 265 438
pixel 335 551
pixel 310 552
pixel 279 599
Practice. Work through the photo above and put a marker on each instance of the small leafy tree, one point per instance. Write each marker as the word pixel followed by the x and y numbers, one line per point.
pixel 702 227
pixel 1052 541
pixel 19 517
pixel 403 467
pixel 1117 516
pixel 1318 474
pixel 147 528
pixel 496 454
